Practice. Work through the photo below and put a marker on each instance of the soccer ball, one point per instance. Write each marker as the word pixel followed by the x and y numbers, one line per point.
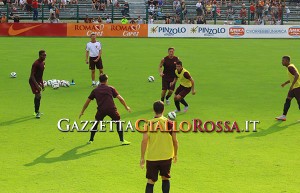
pixel 66 83
pixel 45 83
pixel 49 82
pixel 172 115
pixel 97 83
pixel 13 75
pixel 151 78
pixel 55 85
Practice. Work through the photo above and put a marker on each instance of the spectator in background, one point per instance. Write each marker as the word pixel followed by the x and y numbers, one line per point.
pixel 16 19
pixel 152 9
pixel 266 8
pixel 115 3
pixel 124 20
pixel 243 12
pixel 35 6
pixel 214 9
pixel 29 6
pixel 22 4
pixel 288 11
pixel 280 12
pixel 199 8
pixel 208 9
pixel 176 4
pixel 201 20
pixel 108 20
pixel 53 19
pixel 177 20
pixel 3 18
pixel 87 19
pixel 74 2
pixel 140 20
pixel 160 3
pixel 150 20
pixel 125 11
pixel 178 8
pixel 167 19
pixel 102 6
pixel 183 9
pixel 132 21
pixel 94 4
pixel 252 11
pixel 99 19
pixel 63 4
pixel 57 12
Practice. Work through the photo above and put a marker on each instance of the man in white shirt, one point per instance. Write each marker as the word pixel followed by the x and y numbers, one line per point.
pixel 93 56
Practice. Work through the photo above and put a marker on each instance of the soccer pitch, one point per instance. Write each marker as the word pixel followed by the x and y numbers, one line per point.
pixel 235 80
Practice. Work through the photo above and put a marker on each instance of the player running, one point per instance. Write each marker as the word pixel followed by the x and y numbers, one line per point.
pixel 186 85
pixel 294 91
pixel 93 56
pixel 104 95
pixel 36 81
pixel 168 74
pixel 160 148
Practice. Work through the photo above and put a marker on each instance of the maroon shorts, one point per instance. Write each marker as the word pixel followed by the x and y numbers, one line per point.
pixel 112 113
pixel 166 84
pixel 93 64
pixel 161 166
pixel 183 91
pixel 295 93
pixel 34 89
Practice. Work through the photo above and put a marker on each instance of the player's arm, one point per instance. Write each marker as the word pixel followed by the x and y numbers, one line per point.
pixel 33 78
pixel 99 55
pixel 86 56
pixel 122 101
pixel 175 145
pixel 86 104
pixel 296 76
pixel 174 81
pixel 193 85
pixel 143 149
pixel 285 83
pixel 160 70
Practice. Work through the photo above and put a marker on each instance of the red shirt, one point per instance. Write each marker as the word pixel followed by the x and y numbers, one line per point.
pixel 104 95
pixel 37 70
pixel 29 2
pixel 252 8
pixel 35 5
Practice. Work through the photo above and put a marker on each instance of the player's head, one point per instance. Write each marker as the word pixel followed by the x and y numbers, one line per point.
pixel 93 36
pixel 42 54
pixel 171 51
pixel 286 60
pixel 103 78
pixel 158 107
pixel 179 65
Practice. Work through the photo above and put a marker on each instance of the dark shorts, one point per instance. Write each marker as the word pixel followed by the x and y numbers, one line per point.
pixel 161 166
pixel 34 89
pixel 183 91
pixel 113 114
pixel 166 84
pixel 295 93
pixel 93 64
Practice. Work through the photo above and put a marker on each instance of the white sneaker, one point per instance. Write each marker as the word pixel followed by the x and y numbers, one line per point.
pixel 176 111
pixel 281 118
pixel 168 102
pixel 186 109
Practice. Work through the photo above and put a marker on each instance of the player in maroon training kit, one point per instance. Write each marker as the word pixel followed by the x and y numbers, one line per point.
pixel 168 74
pixel 104 95
pixel 36 81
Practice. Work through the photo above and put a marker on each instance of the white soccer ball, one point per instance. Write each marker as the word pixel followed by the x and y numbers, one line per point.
pixel 55 85
pixel 151 78
pixel 66 84
pixel 49 82
pixel 13 75
pixel 45 83
pixel 97 83
pixel 61 82
pixel 172 115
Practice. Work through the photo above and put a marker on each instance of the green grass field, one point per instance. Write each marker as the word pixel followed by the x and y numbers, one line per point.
pixel 235 80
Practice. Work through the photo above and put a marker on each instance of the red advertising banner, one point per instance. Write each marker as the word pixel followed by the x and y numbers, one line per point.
pixel 107 30
pixel 33 29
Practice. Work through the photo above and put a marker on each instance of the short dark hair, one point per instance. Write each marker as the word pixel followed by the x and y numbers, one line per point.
pixel 179 63
pixel 103 78
pixel 287 58
pixel 158 107
pixel 171 48
pixel 41 52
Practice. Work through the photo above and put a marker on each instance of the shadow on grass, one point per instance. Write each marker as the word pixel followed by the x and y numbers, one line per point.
pixel 67 156
pixel 135 114
pixel 17 120
pixel 271 130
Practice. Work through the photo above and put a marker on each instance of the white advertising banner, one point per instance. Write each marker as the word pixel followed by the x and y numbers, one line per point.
pixel 223 31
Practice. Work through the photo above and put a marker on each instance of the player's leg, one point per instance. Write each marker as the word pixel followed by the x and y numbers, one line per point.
pixel 163 94
pixel 37 102
pixel 170 92
pixel 164 88
pixel 165 168
pixel 177 98
pixel 287 105
pixel 151 175
pixel 100 66
pixel 92 68
pixel 115 116
pixel 99 117
pixel 183 93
